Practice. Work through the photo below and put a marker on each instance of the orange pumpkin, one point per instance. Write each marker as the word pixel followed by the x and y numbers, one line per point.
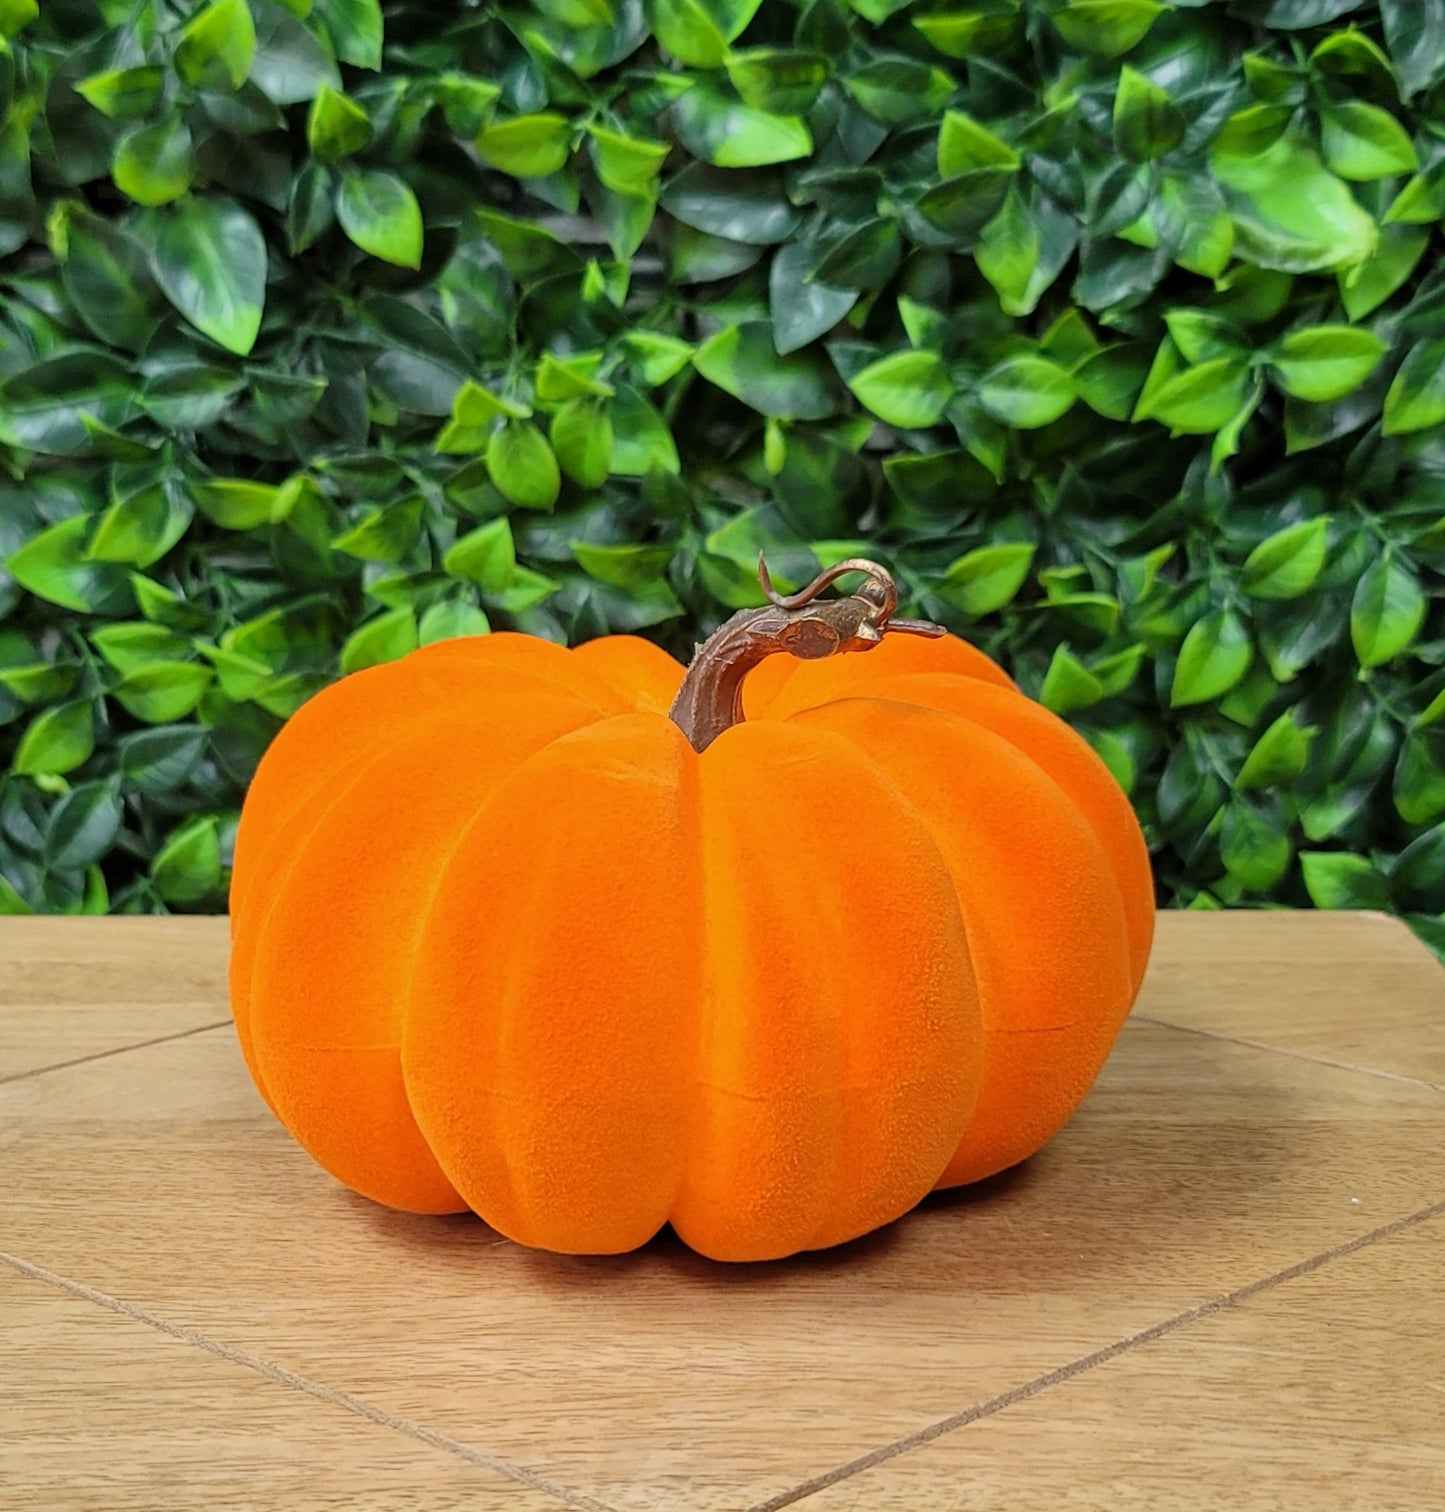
pixel 842 930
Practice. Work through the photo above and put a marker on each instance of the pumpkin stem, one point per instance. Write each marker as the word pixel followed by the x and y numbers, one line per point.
pixel 711 697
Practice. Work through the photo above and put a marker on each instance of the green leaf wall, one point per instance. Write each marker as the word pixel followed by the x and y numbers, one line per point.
pixel 1117 328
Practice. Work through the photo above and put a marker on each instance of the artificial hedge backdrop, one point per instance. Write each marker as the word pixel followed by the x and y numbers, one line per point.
pixel 1116 328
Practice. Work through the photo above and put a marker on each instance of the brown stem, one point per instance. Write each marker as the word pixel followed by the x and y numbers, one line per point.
pixel 711 697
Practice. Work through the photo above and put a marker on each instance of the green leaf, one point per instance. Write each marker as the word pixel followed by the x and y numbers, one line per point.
pixel 1324 363
pixel 1279 755
pixel 1026 392
pixel 1290 213
pixel 129 645
pixel 292 62
pixel 82 826
pixel 1422 201
pixel 385 534
pixel 124 94
pixel 581 436
pixel 865 258
pixel 162 692
pixel 159 760
pixel 187 868
pixel 1214 657
pixel 626 164
pixel 1254 847
pixel 963 145
pixel 1363 142
pixel 984 580
pixel 210 261
pixel 466 103
pixel 1069 685
pixel 909 390
pixel 570 377
pixel 1147 123
pixel 627 567
pixel 1419 783
pixel 1367 286
pixel 381 215
pixel 749 207
pixel 895 90
pixel 802 308
pixel 1419 869
pixel 729 134
pixel 1105 27
pixel 486 557
pixel 527 146
pixel 642 443
pixel 153 164
pixel 53 565
pixel 523 466
pixel 1416 397
pixel 450 619
pixel 1415 37
pixel 1387 611
pixel 336 126
pixel 657 355
pixel 967 34
pixel 1337 879
pixel 1109 381
pixel 1190 219
pixel 1024 248
pixel 238 503
pixel 355 29
pixel 1199 400
pixel 56 741
pixel 1287 563
pixel 217 48
pixel 743 361
pixel 696 32
pixel 779 80
pixel 383 639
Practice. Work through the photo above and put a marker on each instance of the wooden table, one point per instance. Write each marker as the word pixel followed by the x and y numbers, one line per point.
pixel 1222 1286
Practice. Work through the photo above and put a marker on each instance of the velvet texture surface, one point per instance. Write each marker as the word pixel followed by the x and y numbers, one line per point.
pixel 503 940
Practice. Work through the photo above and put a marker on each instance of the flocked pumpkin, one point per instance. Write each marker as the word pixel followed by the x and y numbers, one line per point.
pixel 767 953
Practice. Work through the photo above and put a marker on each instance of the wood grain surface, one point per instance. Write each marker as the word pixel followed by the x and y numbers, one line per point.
pixel 1221 1286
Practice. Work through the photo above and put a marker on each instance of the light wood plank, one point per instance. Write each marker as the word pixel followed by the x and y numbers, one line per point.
pixel 98 1410
pixel 1326 1393
pixel 1357 989
pixel 659 1380
pixel 71 988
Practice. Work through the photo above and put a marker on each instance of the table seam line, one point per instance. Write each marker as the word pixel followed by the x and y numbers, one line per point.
pixel 1315 1060
pixel 1039 1384
pixel 295 1381
pixel 85 1060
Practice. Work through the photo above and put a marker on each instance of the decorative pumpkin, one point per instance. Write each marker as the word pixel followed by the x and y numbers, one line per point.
pixel 767 951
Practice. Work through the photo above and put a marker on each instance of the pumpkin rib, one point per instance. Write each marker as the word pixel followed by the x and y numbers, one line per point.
pixel 815 1003
pixel 640 672
pixel 782 685
pixel 987 804
pixel 341 746
pixel 1068 759
pixel 570 990
pixel 345 716
pixel 346 952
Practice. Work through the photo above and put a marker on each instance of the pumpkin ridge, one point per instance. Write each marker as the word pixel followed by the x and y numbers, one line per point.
pixel 1029 727
pixel 436 687
pixel 790 995
pixel 396 1165
pixel 981 798
pixel 592 1002
pixel 333 782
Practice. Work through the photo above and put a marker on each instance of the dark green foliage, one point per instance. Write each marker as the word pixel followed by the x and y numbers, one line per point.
pixel 1118 329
